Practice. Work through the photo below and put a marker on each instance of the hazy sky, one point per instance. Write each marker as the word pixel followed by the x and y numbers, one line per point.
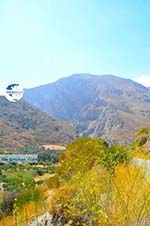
pixel 43 40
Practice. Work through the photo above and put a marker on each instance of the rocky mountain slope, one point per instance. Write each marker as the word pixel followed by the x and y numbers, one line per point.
pixel 22 125
pixel 97 105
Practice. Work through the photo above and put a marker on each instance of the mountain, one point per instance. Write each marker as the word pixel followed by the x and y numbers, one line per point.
pixel 104 105
pixel 22 125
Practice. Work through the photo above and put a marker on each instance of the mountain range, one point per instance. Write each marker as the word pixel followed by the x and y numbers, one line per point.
pixel 105 105
pixel 22 125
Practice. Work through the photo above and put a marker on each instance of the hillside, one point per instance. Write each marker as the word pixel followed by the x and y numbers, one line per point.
pixel 22 125
pixel 97 105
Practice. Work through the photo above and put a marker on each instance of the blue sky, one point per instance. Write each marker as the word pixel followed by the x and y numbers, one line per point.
pixel 43 40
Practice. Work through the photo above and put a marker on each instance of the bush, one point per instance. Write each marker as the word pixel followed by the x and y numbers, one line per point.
pixel 114 156
pixel 144 130
pixel 7 205
pixel 80 157
pixel 84 153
